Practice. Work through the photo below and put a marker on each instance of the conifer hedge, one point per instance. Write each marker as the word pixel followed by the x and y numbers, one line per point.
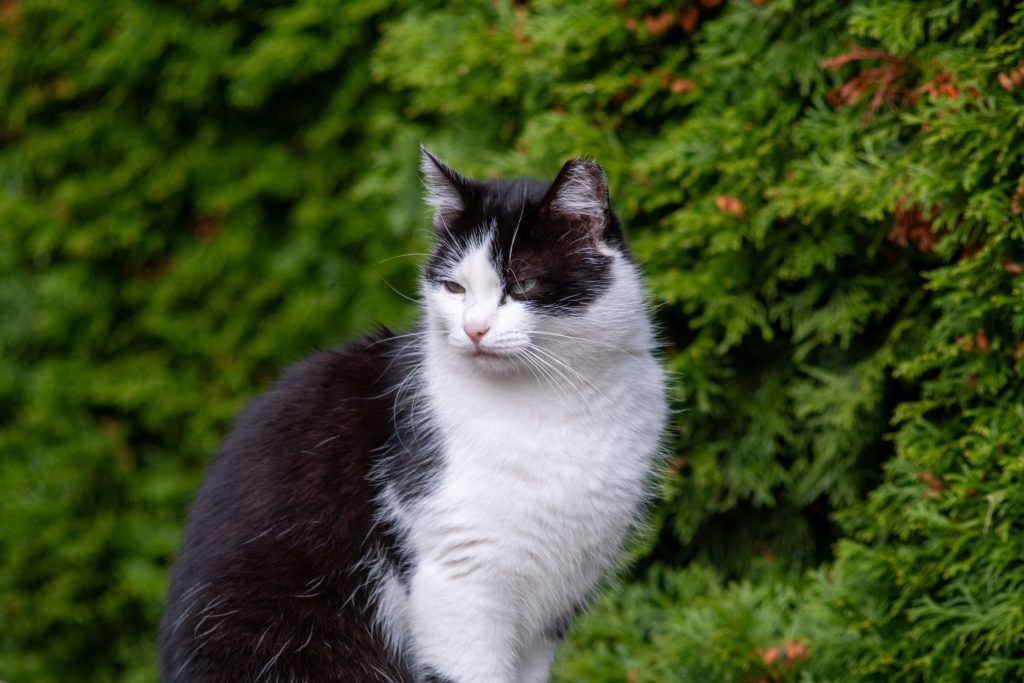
pixel 827 201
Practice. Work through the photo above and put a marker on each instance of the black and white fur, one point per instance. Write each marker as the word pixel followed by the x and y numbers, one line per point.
pixel 437 506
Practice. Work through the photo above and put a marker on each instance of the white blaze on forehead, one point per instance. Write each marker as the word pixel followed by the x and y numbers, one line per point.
pixel 475 271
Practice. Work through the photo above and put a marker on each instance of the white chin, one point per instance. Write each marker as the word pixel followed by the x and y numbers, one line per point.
pixel 490 361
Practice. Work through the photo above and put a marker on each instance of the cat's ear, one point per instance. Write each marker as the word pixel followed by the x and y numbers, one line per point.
pixel 578 198
pixel 444 190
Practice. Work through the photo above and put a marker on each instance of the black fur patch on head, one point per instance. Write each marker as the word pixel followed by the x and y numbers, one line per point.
pixel 552 232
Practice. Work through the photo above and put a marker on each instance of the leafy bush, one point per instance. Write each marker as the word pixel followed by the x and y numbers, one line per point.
pixel 827 200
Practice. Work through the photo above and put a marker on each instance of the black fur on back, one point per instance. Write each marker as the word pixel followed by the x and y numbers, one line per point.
pixel 273 582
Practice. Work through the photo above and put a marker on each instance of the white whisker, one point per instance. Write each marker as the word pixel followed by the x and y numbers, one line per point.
pixel 392 258
pixel 404 296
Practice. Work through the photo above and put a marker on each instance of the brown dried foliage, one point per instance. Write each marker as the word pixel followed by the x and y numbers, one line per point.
pixel 931 481
pixel 730 205
pixel 1011 79
pixel 1015 202
pixel 886 79
pixel 911 226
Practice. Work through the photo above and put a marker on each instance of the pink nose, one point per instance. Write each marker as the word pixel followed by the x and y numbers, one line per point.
pixel 476 331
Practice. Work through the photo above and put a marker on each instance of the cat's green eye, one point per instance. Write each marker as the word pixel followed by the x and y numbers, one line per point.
pixel 521 287
pixel 453 287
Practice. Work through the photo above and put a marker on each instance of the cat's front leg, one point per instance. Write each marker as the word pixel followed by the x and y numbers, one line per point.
pixel 461 631
pixel 536 658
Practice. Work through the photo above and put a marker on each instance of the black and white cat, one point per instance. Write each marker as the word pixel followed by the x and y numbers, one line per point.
pixel 437 506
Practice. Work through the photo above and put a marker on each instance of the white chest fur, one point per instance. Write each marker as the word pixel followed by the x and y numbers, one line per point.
pixel 540 485
pixel 544 482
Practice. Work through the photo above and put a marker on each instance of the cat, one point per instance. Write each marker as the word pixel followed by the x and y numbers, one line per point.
pixel 439 505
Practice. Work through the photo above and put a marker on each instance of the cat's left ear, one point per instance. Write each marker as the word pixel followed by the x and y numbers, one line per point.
pixel 579 198
pixel 444 190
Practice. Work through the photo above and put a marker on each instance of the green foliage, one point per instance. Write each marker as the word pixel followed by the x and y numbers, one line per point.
pixel 723 633
pixel 827 201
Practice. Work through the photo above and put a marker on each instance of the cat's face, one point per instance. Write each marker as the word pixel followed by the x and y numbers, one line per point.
pixel 522 267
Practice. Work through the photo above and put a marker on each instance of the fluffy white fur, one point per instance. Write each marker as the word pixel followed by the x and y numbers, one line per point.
pixel 441 193
pixel 549 439
pixel 583 193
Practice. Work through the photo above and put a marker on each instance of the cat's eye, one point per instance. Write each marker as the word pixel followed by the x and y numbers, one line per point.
pixel 521 287
pixel 453 287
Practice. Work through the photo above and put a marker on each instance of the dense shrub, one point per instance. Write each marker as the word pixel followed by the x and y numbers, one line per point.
pixel 827 199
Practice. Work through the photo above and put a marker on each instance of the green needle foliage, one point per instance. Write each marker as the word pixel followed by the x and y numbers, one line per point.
pixel 826 198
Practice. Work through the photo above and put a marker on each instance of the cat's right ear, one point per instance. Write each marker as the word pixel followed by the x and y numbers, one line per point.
pixel 444 190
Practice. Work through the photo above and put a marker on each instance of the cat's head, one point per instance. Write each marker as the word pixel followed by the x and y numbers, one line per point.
pixel 529 273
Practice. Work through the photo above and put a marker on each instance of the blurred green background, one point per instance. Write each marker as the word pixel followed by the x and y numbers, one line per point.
pixel 826 197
